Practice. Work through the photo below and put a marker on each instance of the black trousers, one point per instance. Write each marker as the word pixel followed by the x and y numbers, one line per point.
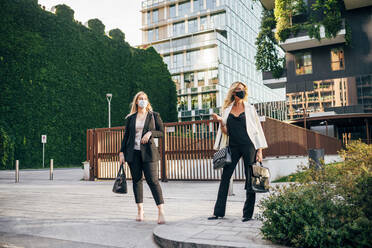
pixel 249 153
pixel 150 169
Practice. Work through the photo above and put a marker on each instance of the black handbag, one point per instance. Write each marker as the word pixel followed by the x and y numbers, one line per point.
pixel 221 158
pixel 260 178
pixel 120 184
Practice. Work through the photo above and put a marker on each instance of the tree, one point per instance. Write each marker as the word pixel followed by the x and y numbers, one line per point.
pixel 267 56
pixel 284 11
pixel 64 12
pixel 96 26
pixel 117 35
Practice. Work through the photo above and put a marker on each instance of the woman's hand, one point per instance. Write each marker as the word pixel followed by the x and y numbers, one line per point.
pixel 146 137
pixel 259 155
pixel 216 117
pixel 121 156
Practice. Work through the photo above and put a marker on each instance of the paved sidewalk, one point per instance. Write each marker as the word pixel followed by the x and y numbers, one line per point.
pixel 200 232
pixel 69 212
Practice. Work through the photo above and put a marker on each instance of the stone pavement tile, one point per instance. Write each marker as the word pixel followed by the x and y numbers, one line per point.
pixel 9 240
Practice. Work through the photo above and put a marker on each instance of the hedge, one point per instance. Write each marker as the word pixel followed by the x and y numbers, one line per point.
pixel 55 74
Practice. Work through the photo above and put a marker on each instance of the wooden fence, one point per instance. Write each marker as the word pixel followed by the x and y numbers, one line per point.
pixel 187 148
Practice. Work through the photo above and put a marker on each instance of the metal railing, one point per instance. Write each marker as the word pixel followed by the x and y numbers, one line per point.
pixel 187 148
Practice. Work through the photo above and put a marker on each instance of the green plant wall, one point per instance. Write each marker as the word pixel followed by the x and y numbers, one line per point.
pixel 55 74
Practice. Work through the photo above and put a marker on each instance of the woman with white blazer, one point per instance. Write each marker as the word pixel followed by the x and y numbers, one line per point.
pixel 241 130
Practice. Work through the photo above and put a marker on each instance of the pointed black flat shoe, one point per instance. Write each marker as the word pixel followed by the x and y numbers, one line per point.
pixel 214 217
pixel 245 219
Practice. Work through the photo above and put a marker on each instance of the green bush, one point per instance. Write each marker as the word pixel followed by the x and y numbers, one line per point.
pixel 6 150
pixel 330 207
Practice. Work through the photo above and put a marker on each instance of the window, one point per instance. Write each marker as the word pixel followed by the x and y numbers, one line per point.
pixel 208 56
pixel 155 16
pixel 178 28
pixel 209 100
pixel 172 11
pixel 184 8
pixel 150 35
pixel 211 4
pixel 198 5
pixel 148 17
pixel 217 20
pixel 203 23
pixel 303 63
pixel 156 32
pixel 194 102
pixel 188 58
pixel 177 60
pixel 177 81
pixel 193 26
pixel 213 77
pixel 188 78
pixel 182 103
pixel 201 77
pixel 337 59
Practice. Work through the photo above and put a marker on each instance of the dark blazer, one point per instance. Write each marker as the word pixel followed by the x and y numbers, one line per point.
pixel 149 151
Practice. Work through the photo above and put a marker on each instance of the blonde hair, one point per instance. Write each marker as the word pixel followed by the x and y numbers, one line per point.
pixel 230 94
pixel 133 105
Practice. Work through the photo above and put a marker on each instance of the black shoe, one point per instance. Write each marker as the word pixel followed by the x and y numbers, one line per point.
pixel 245 219
pixel 214 217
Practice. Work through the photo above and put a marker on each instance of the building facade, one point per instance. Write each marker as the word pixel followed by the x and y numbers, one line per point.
pixel 329 81
pixel 207 45
pixel 330 74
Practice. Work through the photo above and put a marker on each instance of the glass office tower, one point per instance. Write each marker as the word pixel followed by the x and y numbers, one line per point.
pixel 207 45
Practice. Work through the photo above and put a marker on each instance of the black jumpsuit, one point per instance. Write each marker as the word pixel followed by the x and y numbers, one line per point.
pixel 240 146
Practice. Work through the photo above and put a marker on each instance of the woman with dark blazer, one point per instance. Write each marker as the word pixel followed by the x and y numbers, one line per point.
pixel 241 130
pixel 138 149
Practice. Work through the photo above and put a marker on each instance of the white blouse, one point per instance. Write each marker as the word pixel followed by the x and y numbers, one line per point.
pixel 139 129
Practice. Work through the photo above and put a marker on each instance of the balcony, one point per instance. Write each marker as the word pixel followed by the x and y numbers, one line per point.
pixel 274 83
pixel 354 4
pixel 303 41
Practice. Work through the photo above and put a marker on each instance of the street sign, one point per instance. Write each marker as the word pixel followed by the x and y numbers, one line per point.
pixel 43 140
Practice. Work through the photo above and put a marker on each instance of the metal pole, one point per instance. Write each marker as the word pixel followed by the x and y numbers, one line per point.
pixel 43 155
pixel 51 170
pixel 109 97
pixel 109 113
pixel 326 127
pixel 17 171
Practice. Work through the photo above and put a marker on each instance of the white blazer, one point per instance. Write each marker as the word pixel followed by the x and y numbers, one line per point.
pixel 254 128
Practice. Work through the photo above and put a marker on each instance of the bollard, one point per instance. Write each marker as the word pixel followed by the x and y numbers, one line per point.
pixel 51 170
pixel 17 172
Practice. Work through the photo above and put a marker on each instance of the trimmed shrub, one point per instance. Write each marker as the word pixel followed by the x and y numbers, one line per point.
pixel 328 208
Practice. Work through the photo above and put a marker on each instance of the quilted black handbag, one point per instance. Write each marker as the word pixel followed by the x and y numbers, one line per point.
pixel 221 158
pixel 260 178
pixel 120 184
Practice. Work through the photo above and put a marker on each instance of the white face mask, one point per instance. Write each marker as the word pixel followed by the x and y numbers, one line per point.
pixel 143 103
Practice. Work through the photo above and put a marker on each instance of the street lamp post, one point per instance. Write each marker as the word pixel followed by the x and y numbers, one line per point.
pixel 109 97
pixel 326 123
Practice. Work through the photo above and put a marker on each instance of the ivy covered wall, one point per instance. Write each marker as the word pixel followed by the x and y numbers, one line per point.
pixel 54 75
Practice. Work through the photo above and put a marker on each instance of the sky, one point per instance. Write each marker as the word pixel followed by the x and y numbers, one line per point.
pixel 122 14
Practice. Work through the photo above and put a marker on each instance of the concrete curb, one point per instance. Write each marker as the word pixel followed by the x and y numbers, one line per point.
pixel 201 233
